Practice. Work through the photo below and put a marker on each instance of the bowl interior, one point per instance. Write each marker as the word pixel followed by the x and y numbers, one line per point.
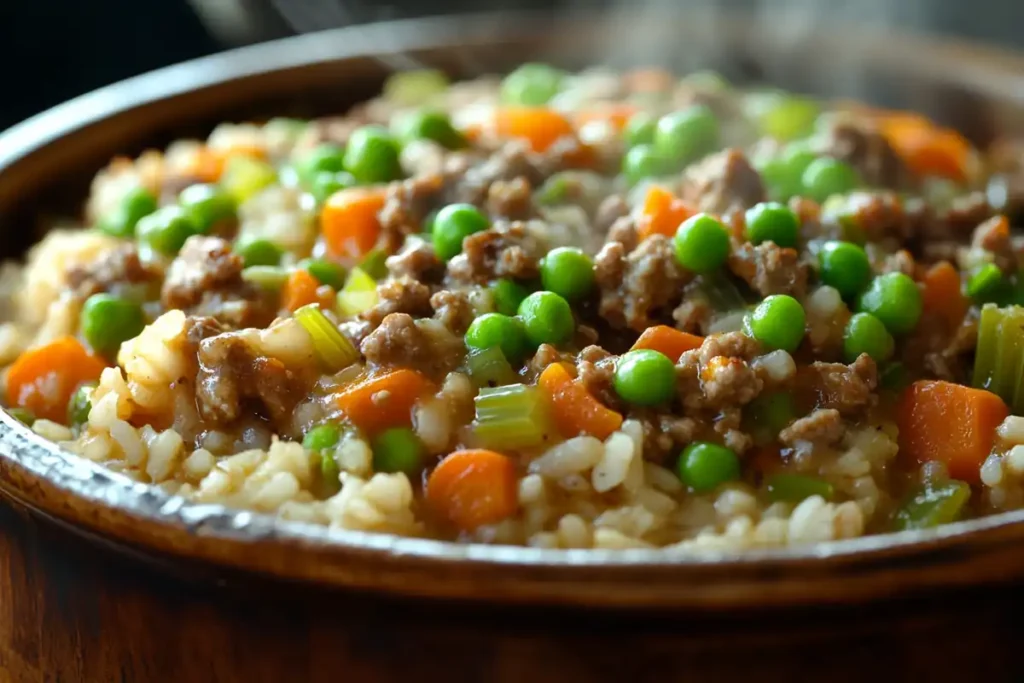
pixel 47 162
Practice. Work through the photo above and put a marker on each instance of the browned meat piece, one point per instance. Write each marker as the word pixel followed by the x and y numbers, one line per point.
pixel 846 388
pixel 823 427
pixel 503 250
pixel 510 199
pixel 595 372
pixel 729 345
pixel 866 149
pixel 994 237
pixel 664 434
pixel 947 356
pixel 453 309
pixel 407 204
pixel 770 269
pixel 400 342
pixel 728 425
pixel 723 183
pixel 231 373
pixel 729 382
pixel 956 222
pixel 879 215
pixel 693 315
pixel 198 328
pixel 403 295
pixel 624 231
pixel 112 272
pixel 610 210
pixel 416 260
pixel 543 357
pixel 206 280
pixel 641 285
pixel 471 184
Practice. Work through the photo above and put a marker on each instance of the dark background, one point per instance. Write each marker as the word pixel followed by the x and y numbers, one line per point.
pixel 52 50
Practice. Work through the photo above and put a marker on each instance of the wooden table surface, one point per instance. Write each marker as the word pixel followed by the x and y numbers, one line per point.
pixel 73 613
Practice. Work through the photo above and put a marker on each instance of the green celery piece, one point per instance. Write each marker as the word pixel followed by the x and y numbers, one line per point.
pixel 793 488
pixel 489 368
pixel 985 353
pixel 513 416
pixel 1009 348
pixel 932 507
pixel 767 415
pixel 333 348
pixel 722 293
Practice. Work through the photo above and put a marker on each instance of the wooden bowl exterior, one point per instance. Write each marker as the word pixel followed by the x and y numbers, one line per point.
pixel 45 165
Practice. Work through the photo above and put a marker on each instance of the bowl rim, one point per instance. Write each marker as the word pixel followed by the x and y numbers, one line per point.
pixel 69 487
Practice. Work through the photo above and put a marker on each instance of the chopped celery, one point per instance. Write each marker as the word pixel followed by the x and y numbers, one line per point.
pixel 513 416
pixel 934 506
pixel 268 278
pixel 333 349
pixel 22 415
pixel 373 264
pixel 999 357
pixel 767 415
pixel 489 368
pixel 358 295
pixel 793 488
pixel 244 177
pixel 415 87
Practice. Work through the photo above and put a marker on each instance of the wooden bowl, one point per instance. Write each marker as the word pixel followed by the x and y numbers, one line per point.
pixel 46 162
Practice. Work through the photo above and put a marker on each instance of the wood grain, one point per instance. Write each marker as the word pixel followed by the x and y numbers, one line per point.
pixel 72 613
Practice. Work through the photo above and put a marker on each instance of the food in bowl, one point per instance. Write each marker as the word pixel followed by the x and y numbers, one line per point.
pixel 590 310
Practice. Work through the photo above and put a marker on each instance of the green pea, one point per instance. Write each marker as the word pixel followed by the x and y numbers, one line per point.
pixel 206 205
pixel 568 272
pixel 398 450
pixel 702 243
pixel 166 230
pixel 704 466
pixel 844 266
pixel 375 264
pixel 508 294
pixel 330 473
pixel 548 319
pixel 686 135
pixel 79 405
pixel 767 415
pixel 321 438
pixel 778 322
pixel 326 157
pixel 825 177
pixel 133 207
pixel 987 285
pixel 372 155
pixel 642 162
pixel 645 377
pixel 772 222
pixel 453 224
pixel 430 125
pixel 326 272
pixel 894 299
pixel 107 321
pixel 326 183
pixel 502 331
pixel 789 118
pixel 865 333
pixel 532 84
pixel 640 129
pixel 259 252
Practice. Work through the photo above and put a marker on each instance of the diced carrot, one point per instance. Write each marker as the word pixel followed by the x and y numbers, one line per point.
pixel 949 423
pixel 384 400
pixel 942 294
pixel 349 221
pixel 926 148
pixel 661 213
pixel 668 340
pixel 540 126
pixel 471 488
pixel 44 378
pixel 617 115
pixel 575 410
pixel 299 289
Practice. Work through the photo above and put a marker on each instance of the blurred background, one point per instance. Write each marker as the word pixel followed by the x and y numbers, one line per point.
pixel 56 49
